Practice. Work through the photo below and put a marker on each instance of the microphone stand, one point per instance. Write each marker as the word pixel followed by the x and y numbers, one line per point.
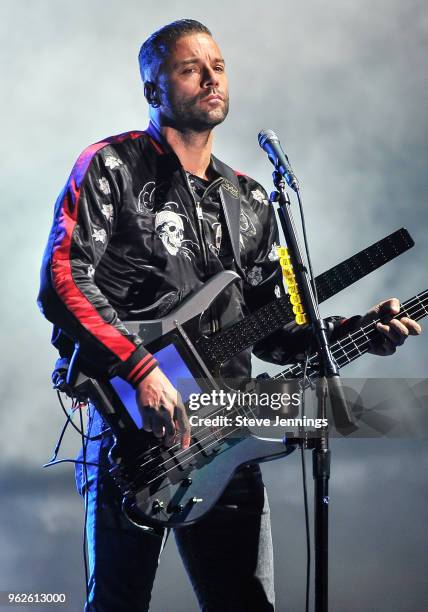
pixel 328 385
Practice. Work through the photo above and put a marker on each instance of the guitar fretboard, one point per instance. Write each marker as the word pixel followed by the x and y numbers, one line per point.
pixel 357 343
pixel 227 343
pixel 231 341
pixel 356 267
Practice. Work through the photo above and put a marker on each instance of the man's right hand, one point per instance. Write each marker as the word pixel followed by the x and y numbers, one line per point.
pixel 162 409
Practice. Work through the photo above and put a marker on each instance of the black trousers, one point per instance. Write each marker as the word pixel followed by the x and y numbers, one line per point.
pixel 227 554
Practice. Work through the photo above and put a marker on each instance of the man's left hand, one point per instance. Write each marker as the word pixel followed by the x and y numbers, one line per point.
pixel 393 332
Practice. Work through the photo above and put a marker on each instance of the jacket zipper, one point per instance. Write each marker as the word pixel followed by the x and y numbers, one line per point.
pixel 201 233
pixel 199 217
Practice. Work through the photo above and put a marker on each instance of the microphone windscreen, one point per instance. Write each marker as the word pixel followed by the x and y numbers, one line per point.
pixel 266 135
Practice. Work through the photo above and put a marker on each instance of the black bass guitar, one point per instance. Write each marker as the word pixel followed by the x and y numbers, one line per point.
pixel 175 487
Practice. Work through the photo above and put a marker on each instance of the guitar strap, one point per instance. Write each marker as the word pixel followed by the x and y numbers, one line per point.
pixel 230 197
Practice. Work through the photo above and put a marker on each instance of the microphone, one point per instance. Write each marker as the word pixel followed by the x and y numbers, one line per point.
pixel 269 142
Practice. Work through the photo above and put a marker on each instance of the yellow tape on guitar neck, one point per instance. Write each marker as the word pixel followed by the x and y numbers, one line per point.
pixel 293 290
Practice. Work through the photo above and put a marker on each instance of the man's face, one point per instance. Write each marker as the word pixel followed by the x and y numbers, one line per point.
pixel 192 84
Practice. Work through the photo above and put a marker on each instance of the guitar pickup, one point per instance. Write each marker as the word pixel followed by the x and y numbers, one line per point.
pixel 183 458
pixel 209 447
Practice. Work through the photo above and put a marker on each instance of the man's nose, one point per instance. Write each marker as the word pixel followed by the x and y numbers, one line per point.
pixel 210 77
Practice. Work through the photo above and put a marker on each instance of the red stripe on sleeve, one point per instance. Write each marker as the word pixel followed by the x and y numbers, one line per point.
pixel 72 296
pixel 138 366
pixel 139 373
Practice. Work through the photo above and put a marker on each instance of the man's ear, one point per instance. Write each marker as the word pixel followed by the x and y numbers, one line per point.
pixel 151 94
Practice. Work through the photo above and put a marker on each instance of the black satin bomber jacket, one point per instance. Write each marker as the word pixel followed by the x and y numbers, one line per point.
pixel 126 244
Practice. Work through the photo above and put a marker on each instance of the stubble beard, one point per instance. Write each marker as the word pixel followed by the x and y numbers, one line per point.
pixel 187 115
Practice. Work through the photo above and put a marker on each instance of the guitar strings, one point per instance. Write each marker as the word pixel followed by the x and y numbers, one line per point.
pixel 211 434
pixel 357 335
pixel 350 339
pixel 198 432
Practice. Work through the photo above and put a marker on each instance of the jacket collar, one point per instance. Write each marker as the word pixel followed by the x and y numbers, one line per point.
pixel 229 189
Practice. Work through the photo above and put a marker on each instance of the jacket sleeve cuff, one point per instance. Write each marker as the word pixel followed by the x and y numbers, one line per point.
pixel 137 367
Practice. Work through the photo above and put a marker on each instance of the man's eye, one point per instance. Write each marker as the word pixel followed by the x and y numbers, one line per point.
pixel 219 68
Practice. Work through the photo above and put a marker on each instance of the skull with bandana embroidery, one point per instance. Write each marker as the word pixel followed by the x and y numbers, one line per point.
pixel 169 227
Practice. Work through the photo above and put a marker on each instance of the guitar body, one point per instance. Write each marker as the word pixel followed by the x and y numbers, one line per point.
pixel 182 495
pixel 175 487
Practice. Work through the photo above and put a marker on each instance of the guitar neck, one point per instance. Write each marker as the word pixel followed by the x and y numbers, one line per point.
pixel 227 343
pixel 354 268
pixel 357 343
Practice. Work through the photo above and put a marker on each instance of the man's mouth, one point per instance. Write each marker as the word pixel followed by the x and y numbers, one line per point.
pixel 213 97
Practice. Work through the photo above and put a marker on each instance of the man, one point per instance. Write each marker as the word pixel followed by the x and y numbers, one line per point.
pixel 144 220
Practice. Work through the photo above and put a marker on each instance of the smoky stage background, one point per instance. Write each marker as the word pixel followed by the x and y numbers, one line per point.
pixel 344 85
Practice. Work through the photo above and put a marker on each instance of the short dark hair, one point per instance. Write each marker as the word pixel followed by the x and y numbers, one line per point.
pixel 156 47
